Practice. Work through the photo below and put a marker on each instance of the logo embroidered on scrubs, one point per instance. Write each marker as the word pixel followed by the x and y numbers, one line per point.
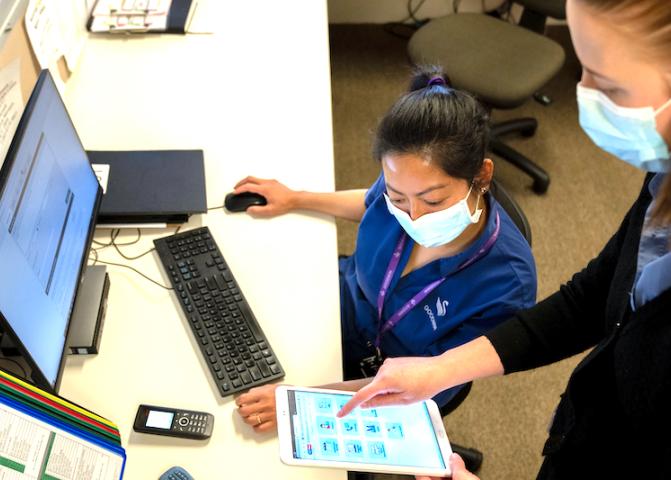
pixel 432 319
pixel 441 307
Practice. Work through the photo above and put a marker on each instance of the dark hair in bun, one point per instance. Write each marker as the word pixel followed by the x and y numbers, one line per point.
pixel 434 120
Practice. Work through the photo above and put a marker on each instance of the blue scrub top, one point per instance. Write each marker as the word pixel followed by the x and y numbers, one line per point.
pixel 463 307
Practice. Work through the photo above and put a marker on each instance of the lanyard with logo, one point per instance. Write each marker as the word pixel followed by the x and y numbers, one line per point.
pixel 418 298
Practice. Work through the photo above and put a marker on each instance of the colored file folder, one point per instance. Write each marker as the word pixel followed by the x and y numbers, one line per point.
pixel 45 437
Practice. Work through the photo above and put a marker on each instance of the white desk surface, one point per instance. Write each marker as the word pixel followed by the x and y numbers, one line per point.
pixel 256 98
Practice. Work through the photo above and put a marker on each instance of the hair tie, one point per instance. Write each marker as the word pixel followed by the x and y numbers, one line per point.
pixel 436 81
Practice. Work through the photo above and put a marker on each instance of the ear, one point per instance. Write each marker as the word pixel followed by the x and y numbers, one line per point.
pixel 484 177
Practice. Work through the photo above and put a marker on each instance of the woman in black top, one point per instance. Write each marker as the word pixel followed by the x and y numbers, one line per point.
pixel 614 419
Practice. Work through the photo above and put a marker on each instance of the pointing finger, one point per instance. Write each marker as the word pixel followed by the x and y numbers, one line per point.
pixel 366 393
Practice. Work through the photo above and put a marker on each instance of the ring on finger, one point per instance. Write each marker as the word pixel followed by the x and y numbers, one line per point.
pixel 258 419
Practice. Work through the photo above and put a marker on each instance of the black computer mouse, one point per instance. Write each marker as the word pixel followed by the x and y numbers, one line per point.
pixel 239 202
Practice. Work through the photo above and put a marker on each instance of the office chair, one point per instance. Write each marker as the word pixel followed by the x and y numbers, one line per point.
pixel 472 457
pixel 501 63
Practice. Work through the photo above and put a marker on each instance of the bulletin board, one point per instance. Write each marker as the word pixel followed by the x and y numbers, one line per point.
pixel 18 46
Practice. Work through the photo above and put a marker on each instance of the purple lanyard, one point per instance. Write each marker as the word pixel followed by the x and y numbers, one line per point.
pixel 409 305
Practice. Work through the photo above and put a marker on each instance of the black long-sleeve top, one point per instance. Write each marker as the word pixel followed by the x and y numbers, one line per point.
pixel 614 419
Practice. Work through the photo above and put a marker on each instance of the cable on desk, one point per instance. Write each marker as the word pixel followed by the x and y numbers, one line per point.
pixel 113 236
pixel 116 247
pixel 114 233
pixel 97 260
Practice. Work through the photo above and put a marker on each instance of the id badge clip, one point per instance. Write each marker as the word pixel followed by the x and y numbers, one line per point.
pixel 370 365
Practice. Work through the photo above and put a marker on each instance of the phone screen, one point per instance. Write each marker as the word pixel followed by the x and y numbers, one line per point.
pixel 160 419
pixel 401 436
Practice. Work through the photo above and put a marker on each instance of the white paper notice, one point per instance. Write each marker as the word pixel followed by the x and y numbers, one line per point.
pixel 11 105
pixel 102 171
pixel 43 31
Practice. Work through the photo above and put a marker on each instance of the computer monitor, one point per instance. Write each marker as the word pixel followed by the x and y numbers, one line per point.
pixel 49 197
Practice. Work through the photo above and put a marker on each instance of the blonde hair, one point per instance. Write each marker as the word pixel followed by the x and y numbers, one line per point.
pixel 649 22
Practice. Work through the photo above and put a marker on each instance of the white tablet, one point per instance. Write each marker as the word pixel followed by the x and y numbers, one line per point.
pixel 408 439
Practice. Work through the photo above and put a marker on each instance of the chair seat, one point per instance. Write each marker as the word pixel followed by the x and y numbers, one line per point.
pixel 503 64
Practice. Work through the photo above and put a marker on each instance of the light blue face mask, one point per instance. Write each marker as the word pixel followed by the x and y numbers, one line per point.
pixel 437 228
pixel 628 133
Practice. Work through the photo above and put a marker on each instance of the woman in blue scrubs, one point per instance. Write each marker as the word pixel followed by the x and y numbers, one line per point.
pixel 613 419
pixel 437 260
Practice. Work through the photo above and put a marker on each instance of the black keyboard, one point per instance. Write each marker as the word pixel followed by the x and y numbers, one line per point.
pixel 233 345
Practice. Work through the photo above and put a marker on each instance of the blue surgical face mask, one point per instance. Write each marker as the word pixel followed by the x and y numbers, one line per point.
pixel 437 228
pixel 628 133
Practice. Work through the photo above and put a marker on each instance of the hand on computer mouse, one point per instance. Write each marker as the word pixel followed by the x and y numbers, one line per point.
pixel 280 199
pixel 241 202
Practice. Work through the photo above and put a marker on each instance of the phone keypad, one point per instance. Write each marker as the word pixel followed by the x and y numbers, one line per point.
pixel 191 422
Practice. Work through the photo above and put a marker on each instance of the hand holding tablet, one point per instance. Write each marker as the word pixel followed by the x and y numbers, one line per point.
pixel 407 439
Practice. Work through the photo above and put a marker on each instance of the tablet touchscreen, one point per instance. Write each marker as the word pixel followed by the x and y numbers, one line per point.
pixel 395 436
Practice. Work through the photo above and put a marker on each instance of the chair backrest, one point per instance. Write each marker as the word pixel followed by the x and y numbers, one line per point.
pixel 512 208
pixel 517 216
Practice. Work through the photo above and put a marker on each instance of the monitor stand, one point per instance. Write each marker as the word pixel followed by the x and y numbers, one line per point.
pixel 88 314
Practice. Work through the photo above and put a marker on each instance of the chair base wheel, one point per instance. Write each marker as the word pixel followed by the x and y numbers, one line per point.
pixel 540 185
pixel 472 458
pixel 528 132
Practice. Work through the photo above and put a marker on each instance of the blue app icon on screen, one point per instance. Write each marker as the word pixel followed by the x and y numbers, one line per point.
pixel 324 404
pixel 371 429
pixel 354 448
pixel 326 425
pixel 350 427
pixel 329 447
pixel 340 402
pixel 394 430
pixel 376 450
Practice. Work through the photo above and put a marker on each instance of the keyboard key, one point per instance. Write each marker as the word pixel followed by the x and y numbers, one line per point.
pixel 263 367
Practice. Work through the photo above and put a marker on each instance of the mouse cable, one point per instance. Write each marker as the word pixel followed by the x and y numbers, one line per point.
pixel 139 235
pixel 97 260
pixel 113 235
pixel 215 208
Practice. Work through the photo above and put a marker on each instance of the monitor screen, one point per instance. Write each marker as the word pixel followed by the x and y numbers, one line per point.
pixel 48 200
